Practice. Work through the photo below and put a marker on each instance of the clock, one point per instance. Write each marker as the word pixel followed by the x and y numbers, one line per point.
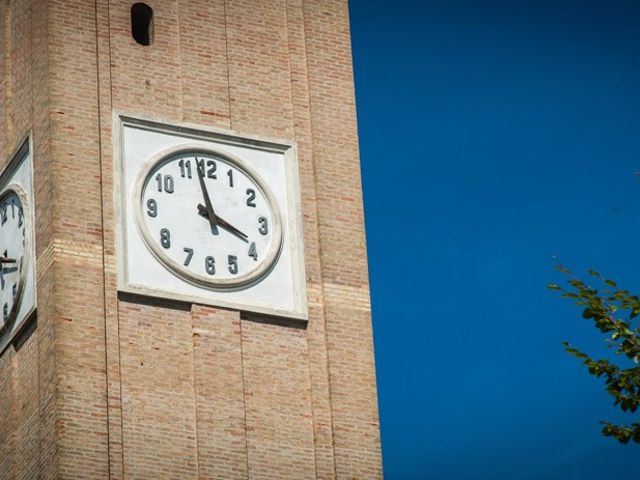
pixel 208 216
pixel 14 251
pixel 17 245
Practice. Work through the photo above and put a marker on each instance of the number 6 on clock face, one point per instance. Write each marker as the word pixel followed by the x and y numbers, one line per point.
pixel 208 217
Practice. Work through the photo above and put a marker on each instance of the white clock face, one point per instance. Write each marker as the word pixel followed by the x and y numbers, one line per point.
pixel 12 252
pixel 208 217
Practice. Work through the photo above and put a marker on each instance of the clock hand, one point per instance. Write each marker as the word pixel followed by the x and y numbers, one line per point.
pixel 233 230
pixel 7 260
pixel 215 220
pixel 211 215
pixel 221 222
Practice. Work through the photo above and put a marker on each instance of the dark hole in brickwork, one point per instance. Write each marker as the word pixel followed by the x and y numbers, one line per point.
pixel 142 23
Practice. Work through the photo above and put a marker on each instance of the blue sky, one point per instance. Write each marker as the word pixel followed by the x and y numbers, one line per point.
pixel 495 136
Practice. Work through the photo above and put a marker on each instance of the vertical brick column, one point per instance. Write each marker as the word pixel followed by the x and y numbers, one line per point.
pixel 9 417
pixel 109 256
pixel 203 63
pixel 27 438
pixel 27 368
pixel 219 387
pixel 78 254
pixel 279 424
pixel 342 241
pixel 316 328
pixel 158 398
pixel 257 55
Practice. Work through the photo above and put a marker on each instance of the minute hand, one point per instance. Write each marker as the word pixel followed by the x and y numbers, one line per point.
pixel 211 214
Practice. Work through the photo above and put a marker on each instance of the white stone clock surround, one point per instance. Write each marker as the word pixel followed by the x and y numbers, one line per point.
pixel 280 292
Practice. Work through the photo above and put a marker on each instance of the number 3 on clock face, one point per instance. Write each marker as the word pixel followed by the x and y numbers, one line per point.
pixel 208 217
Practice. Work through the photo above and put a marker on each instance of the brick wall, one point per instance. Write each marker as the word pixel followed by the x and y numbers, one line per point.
pixel 119 386
pixel 28 421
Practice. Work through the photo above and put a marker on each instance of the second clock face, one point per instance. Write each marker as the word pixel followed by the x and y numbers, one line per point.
pixel 208 217
pixel 12 253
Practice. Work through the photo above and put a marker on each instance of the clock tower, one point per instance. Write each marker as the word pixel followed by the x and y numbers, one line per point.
pixel 183 271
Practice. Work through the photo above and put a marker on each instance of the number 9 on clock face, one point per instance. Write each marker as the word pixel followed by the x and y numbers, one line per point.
pixel 208 217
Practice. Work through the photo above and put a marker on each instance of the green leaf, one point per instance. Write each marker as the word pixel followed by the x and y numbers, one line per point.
pixel 587 313
pixel 563 269
pixel 569 295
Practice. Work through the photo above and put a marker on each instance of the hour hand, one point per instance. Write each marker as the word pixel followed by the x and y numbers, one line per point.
pixel 221 222
pixel 7 260
pixel 230 228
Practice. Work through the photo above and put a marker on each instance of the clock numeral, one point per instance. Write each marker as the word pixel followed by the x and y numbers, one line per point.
pixel 233 264
pixel 20 217
pixel 5 311
pixel 165 237
pixel 264 225
pixel 211 168
pixel 252 196
pixel 230 175
pixel 152 208
pixel 168 183
pixel 14 290
pixel 13 210
pixel 189 252
pixel 210 265
pixel 253 253
pixel 3 214
pixel 185 168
